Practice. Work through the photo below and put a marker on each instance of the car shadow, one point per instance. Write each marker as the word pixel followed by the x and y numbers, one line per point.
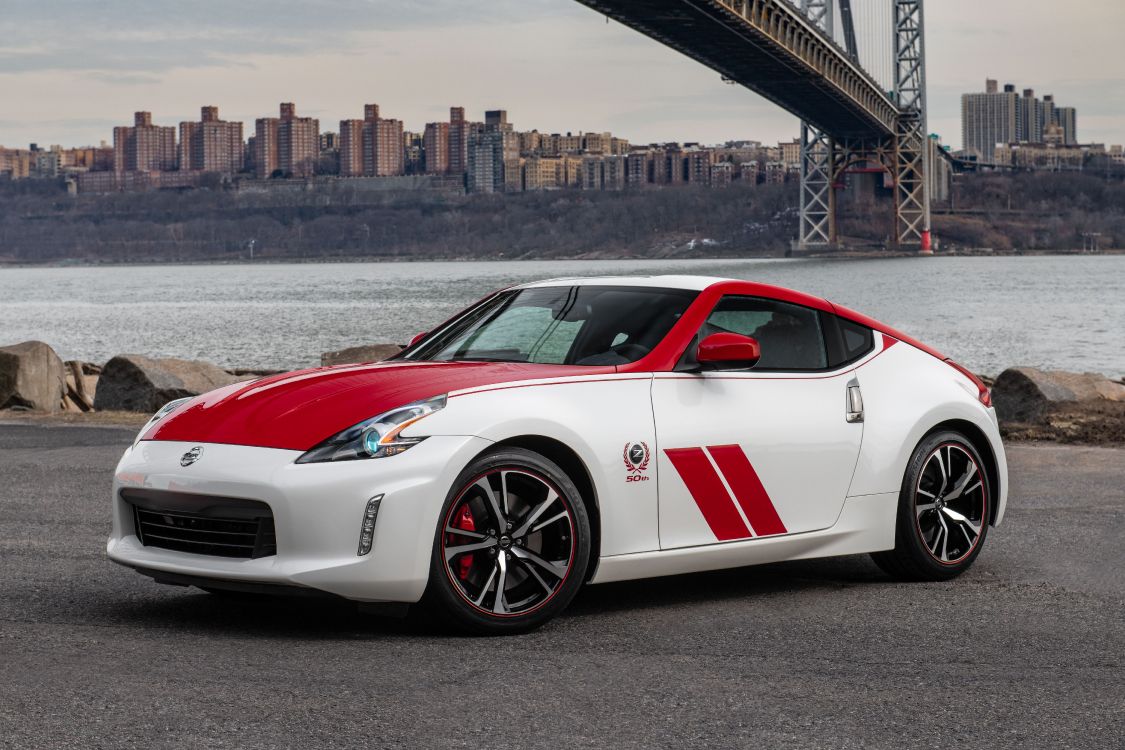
pixel 734 583
pixel 308 618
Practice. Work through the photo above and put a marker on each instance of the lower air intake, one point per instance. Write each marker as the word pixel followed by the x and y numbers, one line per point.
pixel 202 524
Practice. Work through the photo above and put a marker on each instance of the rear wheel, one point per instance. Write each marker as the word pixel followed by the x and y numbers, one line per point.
pixel 943 511
pixel 512 547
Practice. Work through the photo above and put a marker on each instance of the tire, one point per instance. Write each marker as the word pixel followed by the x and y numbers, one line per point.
pixel 943 511
pixel 511 547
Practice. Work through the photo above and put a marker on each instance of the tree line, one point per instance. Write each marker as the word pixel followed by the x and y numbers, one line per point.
pixel 40 222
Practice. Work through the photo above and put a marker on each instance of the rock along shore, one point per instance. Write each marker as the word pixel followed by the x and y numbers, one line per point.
pixel 1032 404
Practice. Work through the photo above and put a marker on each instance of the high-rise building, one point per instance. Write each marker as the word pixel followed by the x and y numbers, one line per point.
pixel 658 166
pixel 1050 117
pixel 988 119
pixel 435 147
pixel 592 175
pixel 697 166
pixel 1067 119
pixel 351 148
pixel 144 147
pixel 485 169
pixel 383 144
pixel 614 172
pixel 638 165
pixel 287 145
pixel 675 169
pixel 1031 118
pixel 458 141
pixel 371 147
pixel 211 145
pixel 497 119
pixel 1005 117
pixel 413 152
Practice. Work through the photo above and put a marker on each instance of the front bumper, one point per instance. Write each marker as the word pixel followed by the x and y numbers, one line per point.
pixel 317 509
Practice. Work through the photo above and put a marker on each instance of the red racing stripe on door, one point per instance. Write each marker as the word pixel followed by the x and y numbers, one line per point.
pixel 748 489
pixel 709 493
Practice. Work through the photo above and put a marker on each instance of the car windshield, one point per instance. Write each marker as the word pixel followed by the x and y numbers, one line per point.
pixel 562 325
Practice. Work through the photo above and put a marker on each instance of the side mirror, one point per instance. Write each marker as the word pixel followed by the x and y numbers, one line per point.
pixel 417 337
pixel 728 351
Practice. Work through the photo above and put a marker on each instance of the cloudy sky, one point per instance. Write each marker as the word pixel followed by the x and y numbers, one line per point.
pixel 72 69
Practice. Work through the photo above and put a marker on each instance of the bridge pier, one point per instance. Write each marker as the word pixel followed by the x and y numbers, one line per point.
pixel 818 194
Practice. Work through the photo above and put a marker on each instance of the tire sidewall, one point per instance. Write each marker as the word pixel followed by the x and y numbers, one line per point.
pixel 907 530
pixel 440 594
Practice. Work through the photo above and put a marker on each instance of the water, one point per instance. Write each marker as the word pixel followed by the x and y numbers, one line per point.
pixel 989 313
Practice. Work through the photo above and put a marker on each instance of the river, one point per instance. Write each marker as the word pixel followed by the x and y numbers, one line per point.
pixel 1064 312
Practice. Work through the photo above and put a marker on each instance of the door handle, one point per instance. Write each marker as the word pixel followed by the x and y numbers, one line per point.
pixel 854 403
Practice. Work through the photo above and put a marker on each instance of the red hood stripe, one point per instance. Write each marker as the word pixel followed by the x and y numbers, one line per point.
pixel 299 410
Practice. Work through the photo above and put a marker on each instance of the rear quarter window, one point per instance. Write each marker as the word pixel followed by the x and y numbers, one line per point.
pixel 847 341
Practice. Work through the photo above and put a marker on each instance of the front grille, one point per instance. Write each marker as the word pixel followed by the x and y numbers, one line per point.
pixel 202 524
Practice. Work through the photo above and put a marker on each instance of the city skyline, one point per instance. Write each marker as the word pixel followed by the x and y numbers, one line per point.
pixel 552 62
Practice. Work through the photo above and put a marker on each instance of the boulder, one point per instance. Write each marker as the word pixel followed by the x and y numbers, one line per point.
pixel 130 382
pixel 1031 396
pixel 366 353
pixel 31 377
pixel 81 384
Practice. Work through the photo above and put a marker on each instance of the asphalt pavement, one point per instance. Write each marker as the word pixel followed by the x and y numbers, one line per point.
pixel 1027 650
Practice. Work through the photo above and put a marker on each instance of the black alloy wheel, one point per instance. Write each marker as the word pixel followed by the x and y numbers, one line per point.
pixel 512 546
pixel 943 512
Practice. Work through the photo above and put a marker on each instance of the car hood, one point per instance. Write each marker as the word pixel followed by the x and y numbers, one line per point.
pixel 299 410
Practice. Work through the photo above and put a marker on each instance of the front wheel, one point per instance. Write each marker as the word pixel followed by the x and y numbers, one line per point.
pixel 512 544
pixel 943 511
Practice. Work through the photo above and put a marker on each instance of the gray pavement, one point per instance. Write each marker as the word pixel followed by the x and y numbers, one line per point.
pixel 1026 650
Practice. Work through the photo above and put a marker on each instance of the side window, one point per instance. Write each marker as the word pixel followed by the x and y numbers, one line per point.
pixel 847 341
pixel 790 335
pixel 857 339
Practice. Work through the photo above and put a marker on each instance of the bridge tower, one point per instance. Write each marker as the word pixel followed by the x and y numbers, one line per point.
pixel 912 168
pixel 904 154
pixel 818 197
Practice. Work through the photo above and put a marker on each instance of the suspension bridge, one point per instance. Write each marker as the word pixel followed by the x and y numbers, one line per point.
pixel 853 70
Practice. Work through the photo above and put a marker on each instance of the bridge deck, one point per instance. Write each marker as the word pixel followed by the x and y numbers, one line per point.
pixel 713 33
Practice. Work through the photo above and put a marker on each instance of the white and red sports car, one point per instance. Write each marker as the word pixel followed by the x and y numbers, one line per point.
pixel 567 432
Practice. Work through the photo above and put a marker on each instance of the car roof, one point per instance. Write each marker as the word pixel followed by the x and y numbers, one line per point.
pixel 668 281
pixel 736 286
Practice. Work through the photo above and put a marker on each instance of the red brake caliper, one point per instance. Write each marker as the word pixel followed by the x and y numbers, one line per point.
pixel 465 521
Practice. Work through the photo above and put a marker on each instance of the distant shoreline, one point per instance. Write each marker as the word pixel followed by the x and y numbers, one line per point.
pixel 604 257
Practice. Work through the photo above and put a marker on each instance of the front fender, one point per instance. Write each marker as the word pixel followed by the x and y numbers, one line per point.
pixel 597 418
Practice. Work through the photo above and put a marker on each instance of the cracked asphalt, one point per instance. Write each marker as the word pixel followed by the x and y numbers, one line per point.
pixel 1025 651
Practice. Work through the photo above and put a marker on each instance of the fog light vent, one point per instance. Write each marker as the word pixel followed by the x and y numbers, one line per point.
pixel 367 530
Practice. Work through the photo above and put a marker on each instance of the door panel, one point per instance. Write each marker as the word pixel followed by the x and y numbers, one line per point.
pixel 743 455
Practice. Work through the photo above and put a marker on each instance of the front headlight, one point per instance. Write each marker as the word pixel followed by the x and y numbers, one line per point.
pixel 376 437
pixel 164 411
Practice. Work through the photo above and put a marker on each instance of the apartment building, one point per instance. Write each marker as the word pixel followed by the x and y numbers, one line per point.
pixel 287 145
pixel 211 144
pixel 144 147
